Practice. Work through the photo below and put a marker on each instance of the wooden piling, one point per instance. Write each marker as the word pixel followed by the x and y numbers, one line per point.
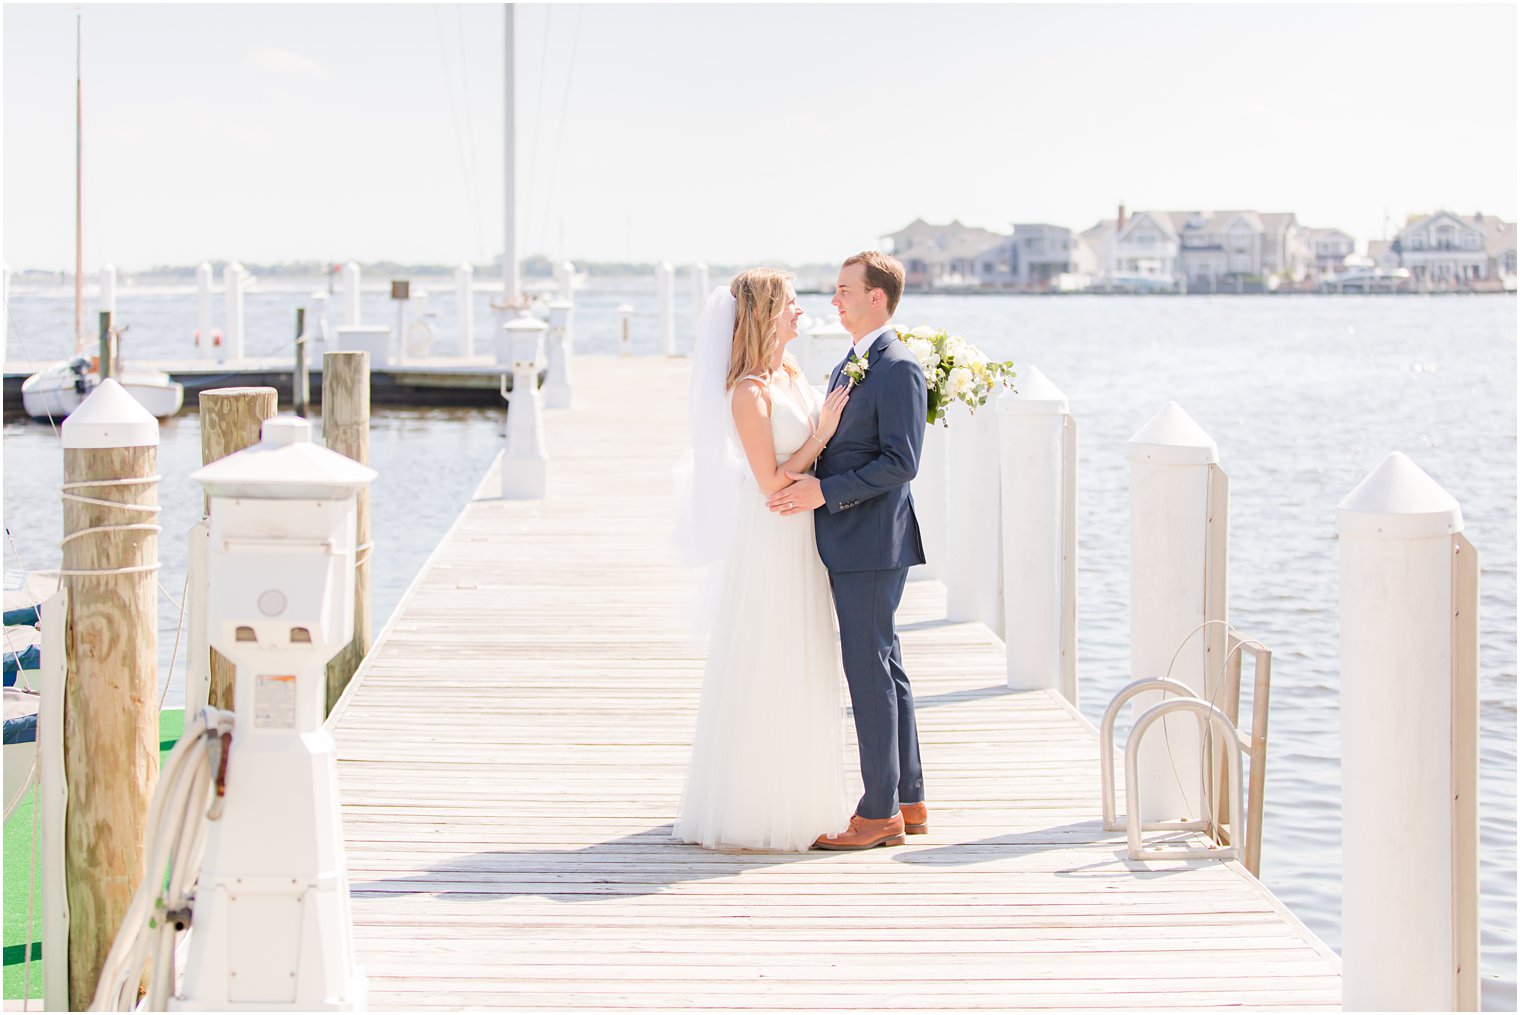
pixel 231 419
pixel 345 429
pixel 110 718
pixel 300 384
pixel 107 347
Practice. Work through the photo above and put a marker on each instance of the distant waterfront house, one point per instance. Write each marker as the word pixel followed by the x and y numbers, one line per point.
pixel 1034 257
pixel 1449 251
pixel 1500 245
pixel 1327 250
pixel 1228 249
pixel 1138 252
pixel 936 256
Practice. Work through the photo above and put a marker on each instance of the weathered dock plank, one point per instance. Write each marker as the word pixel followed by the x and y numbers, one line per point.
pixel 511 760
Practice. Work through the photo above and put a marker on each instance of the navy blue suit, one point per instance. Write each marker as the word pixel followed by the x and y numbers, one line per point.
pixel 868 538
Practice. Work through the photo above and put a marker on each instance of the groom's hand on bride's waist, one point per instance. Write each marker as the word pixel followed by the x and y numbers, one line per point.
pixel 804 494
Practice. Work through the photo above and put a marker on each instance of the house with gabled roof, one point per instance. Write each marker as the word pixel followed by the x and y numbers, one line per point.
pixel 1326 250
pixel 936 256
pixel 1444 250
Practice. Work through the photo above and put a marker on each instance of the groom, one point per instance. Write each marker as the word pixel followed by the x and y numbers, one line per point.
pixel 868 538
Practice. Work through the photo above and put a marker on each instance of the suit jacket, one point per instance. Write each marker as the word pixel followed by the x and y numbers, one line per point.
pixel 867 521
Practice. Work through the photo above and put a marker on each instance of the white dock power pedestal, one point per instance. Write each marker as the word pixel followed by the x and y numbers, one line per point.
pixel 272 928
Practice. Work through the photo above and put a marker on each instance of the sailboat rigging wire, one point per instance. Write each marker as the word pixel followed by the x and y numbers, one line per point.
pixel 465 169
pixel 559 134
pixel 538 117
pixel 469 136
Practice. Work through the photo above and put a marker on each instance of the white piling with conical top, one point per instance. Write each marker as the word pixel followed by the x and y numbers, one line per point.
pixel 973 556
pixel 665 293
pixel 930 501
pixel 233 281
pixel 108 289
pixel 1037 445
pixel 1409 715
pixel 625 339
pixel 525 463
pixel 351 281
pixel 824 347
pixel 205 343
pixel 1178 522
pixel 109 566
pixel 464 308
pixel 699 288
pixel 557 392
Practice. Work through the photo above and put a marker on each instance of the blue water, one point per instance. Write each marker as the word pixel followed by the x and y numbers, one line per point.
pixel 1304 396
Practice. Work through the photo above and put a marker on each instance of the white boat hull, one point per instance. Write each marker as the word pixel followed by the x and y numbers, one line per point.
pixel 55 392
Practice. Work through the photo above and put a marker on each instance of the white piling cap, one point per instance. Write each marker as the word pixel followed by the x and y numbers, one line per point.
pixel 525 322
pixel 285 465
pixel 1035 396
pixel 1172 437
pixel 110 418
pixel 625 308
pixel 1398 500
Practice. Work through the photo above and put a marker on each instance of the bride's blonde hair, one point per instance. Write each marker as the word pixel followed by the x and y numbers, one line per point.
pixel 760 298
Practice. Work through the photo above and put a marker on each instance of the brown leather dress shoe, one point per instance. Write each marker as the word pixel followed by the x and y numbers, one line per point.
pixel 915 818
pixel 865 833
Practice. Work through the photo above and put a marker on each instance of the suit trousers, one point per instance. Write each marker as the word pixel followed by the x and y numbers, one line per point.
pixel 866 603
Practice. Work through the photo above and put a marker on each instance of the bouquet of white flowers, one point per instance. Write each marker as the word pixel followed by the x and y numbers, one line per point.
pixel 955 370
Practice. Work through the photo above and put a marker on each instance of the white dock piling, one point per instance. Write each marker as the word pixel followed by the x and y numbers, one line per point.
pixel 557 385
pixel 108 289
pixel 233 280
pixel 973 557
pixel 464 308
pixel 205 344
pixel 930 501
pixel 625 341
pixel 351 281
pixel 316 318
pixel 1409 754
pixel 665 293
pixel 1178 521
pixel 828 343
pixel 699 288
pixel 1037 443
pixel 5 310
pixel 564 279
pixel 525 464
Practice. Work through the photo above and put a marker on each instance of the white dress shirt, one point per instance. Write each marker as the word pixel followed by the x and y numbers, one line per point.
pixel 864 345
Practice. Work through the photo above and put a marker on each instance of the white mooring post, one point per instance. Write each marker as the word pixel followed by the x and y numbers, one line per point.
pixel 281 575
pixel 930 501
pixel 625 340
pixel 1037 442
pixel 204 343
pixel 1179 506
pixel 973 557
pixel 108 289
pixel 1409 745
pixel 525 464
pixel 828 343
pixel 464 308
pixel 557 384
pixel 351 281
pixel 665 294
pixel 233 280
pixel 699 288
pixel 564 279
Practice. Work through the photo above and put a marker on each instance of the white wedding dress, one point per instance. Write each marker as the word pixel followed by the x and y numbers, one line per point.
pixel 767 766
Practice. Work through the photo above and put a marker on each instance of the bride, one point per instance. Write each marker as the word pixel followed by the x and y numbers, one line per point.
pixel 766 767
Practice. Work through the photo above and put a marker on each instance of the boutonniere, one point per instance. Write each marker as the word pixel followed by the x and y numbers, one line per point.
pixel 856 369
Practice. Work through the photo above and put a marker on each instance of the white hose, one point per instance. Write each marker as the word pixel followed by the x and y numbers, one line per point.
pixel 176 841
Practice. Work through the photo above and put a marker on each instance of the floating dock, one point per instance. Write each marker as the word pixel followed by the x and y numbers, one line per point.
pixel 512 755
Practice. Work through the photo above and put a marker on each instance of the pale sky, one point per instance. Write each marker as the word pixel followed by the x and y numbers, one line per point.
pixel 734 134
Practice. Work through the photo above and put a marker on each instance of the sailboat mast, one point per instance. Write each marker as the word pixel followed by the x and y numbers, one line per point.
pixel 78 193
pixel 511 290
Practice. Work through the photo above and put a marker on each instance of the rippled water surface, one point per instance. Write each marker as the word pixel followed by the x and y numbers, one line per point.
pixel 1304 395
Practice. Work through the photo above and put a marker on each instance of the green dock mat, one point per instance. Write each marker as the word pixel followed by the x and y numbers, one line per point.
pixel 19 871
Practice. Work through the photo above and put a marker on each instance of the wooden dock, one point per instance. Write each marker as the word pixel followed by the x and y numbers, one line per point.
pixel 511 759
